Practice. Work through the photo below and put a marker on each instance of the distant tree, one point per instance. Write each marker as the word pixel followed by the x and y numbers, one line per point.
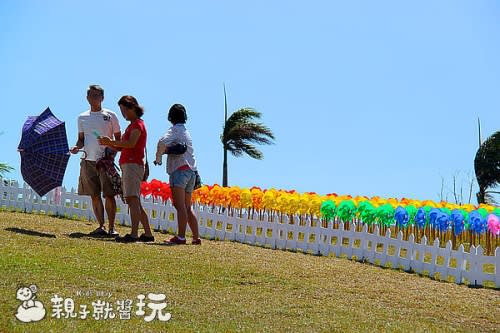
pixel 457 189
pixel 487 168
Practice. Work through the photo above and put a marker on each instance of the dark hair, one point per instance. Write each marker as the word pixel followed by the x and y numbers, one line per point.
pixel 131 103
pixel 177 114
pixel 95 87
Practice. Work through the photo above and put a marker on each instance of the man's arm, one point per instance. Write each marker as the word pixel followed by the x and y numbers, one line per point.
pixel 79 144
pixel 130 143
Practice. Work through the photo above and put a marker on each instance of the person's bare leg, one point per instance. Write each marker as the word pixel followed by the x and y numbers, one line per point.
pixel 98 209
pixel 110 203
pixel 192 221
pixel 145 222
pixel 135 215
pixel 178 196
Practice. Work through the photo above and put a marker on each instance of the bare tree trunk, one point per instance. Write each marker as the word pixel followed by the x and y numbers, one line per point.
pixel 461 193
pixel 471 187
pixel 455 189
pixel 224 169
pixel 441 196
pixel 224 163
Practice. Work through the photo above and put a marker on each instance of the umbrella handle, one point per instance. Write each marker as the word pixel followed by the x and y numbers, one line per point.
pixel 84 156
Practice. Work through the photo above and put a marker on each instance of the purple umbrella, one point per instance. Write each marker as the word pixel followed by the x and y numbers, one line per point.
pixel 44 152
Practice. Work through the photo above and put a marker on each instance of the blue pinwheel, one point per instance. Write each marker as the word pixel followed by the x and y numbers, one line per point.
pixel 457 219
pixel 477 223
pixel 401 216
pixel 420 218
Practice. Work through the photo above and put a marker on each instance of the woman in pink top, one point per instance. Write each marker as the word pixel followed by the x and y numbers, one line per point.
pixel 132 145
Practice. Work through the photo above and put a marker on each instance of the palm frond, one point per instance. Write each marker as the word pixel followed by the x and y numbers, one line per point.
pixel 242 116
pixel 241 132
pixel 238 148
pixel 5 168
pixel 489 198
pixel 256 133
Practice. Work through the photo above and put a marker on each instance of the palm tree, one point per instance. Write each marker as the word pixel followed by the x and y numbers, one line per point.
pixel 240 132
pixel 487 167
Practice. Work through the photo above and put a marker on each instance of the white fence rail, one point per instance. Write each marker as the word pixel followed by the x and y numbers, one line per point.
pixel 309 236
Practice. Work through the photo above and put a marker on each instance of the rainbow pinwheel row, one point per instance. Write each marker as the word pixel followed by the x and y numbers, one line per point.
pixel 405 212
pixel 478 221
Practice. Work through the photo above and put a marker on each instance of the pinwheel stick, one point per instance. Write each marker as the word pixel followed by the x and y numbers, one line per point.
pixel 488 244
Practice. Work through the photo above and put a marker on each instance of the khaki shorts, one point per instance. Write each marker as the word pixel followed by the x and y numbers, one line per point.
pixel 131 179
pixel 93 182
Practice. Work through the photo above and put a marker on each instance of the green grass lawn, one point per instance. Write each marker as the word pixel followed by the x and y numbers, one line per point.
pixel 223 286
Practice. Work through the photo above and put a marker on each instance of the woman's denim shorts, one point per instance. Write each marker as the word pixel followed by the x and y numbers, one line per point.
pixel 184 179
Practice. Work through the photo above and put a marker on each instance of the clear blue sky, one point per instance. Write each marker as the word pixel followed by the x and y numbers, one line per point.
pixel 364 97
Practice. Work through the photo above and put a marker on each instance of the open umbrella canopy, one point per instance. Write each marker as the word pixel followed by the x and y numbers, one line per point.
pixel 44 152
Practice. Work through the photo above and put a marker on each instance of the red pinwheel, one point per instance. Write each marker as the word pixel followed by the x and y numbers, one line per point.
pixel 155 189
pixel 145 189
pixel 165 192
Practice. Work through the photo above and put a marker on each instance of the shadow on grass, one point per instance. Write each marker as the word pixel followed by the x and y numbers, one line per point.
pixel 30 232
pixel 89 236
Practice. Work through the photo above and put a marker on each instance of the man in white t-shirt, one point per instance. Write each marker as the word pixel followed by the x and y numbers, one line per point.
pixel 91 124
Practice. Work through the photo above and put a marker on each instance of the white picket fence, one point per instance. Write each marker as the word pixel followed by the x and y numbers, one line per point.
pixel 310 236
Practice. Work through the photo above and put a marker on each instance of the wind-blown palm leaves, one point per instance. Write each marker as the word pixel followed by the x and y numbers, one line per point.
pixel 241 133
pixel 487 167
pixel 5 168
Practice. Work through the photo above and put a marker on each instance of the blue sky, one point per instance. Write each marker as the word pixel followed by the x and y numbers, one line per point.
pixel 364 97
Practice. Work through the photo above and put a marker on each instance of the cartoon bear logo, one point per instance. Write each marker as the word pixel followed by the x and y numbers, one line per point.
pixel 29 310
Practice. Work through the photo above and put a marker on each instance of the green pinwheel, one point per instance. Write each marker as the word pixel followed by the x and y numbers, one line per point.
pixel 327 210
pixel 346 210
pixel 366 212
pixel 385 215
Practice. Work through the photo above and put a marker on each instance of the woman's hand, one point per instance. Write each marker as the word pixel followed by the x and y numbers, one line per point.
pixel 105 141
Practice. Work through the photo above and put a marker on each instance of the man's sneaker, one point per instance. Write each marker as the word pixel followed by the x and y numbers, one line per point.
pixel 113 233
pixel 175 241
pixel 98 232
pixel 196 241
